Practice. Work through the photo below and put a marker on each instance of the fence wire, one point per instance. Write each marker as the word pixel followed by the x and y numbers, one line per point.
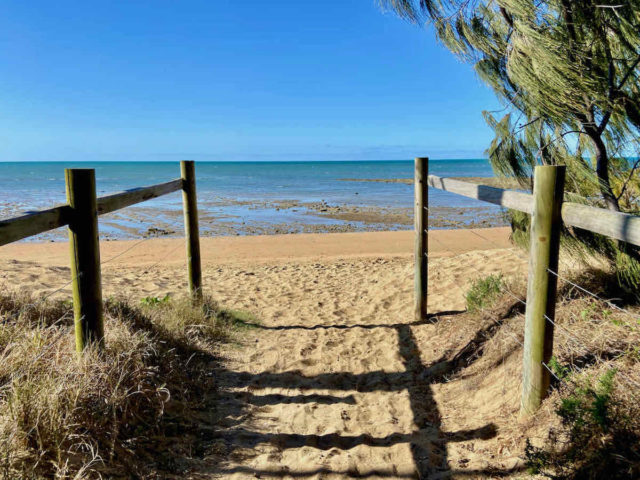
pixel 612 305
pixel 44 298
pixel 565 330
pixel 33 305
pixel 570 334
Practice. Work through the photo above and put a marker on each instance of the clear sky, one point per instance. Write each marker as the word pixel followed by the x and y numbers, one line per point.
pixel 230 80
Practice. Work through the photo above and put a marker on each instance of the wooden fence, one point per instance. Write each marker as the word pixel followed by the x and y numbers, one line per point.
pixel 81 215
pixel 548 211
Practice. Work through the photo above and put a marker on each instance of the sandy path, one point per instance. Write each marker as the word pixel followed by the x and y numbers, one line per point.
pixel 335 374
pixel 331 382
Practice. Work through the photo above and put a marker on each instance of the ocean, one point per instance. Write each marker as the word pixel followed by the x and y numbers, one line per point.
pixel 244 194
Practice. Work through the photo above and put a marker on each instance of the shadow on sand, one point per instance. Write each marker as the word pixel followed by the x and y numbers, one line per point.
pixel 218 416
pixel 427 442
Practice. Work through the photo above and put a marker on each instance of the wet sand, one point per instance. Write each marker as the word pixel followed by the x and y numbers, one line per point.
pixel 239 218
pixel 506 183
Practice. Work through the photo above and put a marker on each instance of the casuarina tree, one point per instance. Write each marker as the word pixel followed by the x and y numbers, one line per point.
pixel 567 74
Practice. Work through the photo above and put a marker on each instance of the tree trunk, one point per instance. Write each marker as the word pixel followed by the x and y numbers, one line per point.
pixel 602 171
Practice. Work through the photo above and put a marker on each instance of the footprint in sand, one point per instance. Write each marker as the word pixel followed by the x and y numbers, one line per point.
pixel 308 362
pixel 307 350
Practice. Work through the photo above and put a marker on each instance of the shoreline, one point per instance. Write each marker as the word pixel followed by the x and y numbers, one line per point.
pixel 268 199
pixel 497 182
pixel 260 248
pixel 239 218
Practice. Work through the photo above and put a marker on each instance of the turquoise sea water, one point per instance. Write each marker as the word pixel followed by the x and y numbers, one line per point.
pixel 39 184
pixel 226 188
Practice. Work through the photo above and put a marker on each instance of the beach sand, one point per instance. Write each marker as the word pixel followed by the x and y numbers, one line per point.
pixel 328 385
pixel 157 266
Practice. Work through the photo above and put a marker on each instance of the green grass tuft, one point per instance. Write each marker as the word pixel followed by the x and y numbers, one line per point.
pixel 599 437
pixel 484 292
pixel 151 301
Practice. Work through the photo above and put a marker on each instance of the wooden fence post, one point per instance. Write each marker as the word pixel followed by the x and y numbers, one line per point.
pixel 85 257
pixel 548 191
pixel 421 246
pixel 190 207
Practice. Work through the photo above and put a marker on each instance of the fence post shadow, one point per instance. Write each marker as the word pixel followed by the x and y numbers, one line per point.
pixel 427 442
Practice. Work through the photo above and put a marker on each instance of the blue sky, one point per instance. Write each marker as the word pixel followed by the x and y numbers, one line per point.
pixel 230 80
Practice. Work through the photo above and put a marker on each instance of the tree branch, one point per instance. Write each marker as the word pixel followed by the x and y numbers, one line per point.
pixel 624 186
pixel 611 72
pixel 555 139
pixel 629 72
pixel 520 127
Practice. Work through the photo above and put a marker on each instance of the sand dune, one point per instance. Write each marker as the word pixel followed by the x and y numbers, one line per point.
pixel 329 384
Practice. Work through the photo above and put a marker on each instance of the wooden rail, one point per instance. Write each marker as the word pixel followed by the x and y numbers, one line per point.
pixel 522 202
pixel 14 229
pixel 616 225
pixel 548 212
pixel 116 201
pixel 81 215
pixel 34 223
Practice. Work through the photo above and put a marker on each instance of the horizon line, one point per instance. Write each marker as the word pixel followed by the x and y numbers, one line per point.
pixel 241 161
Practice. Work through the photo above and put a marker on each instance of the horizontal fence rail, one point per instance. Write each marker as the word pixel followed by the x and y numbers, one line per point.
pixel 116 201
pixel 35 223
pixel 523 202
pixel 548 212
pixel 14 229
pixel 616 225
pixel 81 215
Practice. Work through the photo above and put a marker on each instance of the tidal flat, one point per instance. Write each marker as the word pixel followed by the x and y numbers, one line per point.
pixel 238 218
pixel 259 198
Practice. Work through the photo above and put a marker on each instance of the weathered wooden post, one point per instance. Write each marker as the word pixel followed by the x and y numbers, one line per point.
pixel 85 257
pixel 190 207
pixel 548 191
pixel 421 246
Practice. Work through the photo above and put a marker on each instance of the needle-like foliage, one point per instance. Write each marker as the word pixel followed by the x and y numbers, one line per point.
pixel 567 74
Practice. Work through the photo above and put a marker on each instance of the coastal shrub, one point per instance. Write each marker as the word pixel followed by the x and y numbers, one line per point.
pixel 483 292
pixel 97 415
pixel 599 437
pixel 520 223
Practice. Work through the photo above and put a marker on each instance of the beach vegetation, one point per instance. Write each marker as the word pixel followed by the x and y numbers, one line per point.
pixel 151 301
pixel 560 371
pixel 484 292
pixel 240 318
pixel 567 74
pixel 123 411
pixel 599 434
pixel 587 426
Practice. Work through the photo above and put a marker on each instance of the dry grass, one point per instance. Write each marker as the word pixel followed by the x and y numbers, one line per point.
pixel 145 406
pixel 582 430
pixel 110 413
